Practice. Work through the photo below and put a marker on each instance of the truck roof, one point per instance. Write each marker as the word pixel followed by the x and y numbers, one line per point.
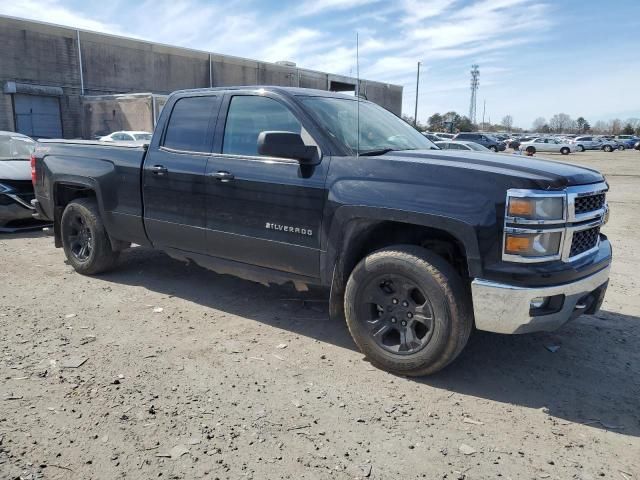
pixel 294 91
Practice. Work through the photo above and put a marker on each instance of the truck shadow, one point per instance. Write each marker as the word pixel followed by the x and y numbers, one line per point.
pixel 591 378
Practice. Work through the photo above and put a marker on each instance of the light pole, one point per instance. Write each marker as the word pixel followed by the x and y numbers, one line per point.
pixel 415 116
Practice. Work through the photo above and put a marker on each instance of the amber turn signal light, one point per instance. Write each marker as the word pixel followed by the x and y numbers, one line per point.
pixel 516 245
pixel 520 207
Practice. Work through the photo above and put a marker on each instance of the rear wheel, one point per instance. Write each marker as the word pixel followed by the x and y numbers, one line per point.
pixel 494 148
pixel 408 310
pixel 531 150
pixel 84 238
pixel 580 148
pixel 622 147
pixel 608 148
pixel 565 151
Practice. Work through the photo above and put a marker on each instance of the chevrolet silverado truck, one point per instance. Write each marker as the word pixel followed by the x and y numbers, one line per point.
pixel 418 245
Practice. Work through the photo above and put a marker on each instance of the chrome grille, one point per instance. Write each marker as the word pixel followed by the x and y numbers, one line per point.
pixel 589 203
pixel 584 240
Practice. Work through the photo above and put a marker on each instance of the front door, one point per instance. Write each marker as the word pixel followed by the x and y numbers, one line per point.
pixel 261 210
pixel 174 184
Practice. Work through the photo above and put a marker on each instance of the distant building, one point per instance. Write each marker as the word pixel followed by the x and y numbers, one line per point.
pixel 51 75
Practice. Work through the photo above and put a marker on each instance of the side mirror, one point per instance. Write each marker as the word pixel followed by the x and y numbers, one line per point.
pixel 287 145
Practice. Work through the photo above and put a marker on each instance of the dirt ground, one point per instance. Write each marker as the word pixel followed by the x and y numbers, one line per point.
pixel 183 373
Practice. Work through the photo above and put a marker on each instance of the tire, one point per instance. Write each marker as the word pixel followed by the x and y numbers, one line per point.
pixel 84 238
pixel 494 148
pixel 565 151
pixel 622 148
pixel 580 148
pixel 531 150
pixel 429 289
pixel 607 148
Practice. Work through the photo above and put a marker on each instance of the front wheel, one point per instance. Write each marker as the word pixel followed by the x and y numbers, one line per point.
pixel 607 148
pixel 622 148
pixel 565 151
pixel 531 150
pixel 84 238
pixel 494 148
pixel 408 310
pixel 580 148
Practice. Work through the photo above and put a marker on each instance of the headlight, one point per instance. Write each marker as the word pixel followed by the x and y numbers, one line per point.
pixel 536 208
pixel 533 244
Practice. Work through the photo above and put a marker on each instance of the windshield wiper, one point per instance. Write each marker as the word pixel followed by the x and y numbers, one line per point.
pixel 376 152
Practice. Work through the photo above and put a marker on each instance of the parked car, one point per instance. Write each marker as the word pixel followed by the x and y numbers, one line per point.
pixel 459 145
pixel 547 145
pixel 16 189
pixel 626 141
pixel 127 136
pixel 277 184
pixel 608 145
pixel 432 136
pixel 587 143
pixel 446 136
pixel 483 139
pixel 637 145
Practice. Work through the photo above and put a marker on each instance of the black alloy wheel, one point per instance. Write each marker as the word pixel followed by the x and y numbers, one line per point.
pixel 85 241
pixel 79 238
pixel 397 313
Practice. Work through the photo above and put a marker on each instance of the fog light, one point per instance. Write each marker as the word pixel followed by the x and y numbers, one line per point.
pixel 538 302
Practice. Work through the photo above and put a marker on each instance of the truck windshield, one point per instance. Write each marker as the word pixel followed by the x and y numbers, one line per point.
pixel 380 130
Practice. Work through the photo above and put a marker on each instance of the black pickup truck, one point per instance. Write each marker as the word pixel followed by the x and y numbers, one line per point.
pixel 418 245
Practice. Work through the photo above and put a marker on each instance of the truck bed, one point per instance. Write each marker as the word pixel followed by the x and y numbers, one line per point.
pixel 111 170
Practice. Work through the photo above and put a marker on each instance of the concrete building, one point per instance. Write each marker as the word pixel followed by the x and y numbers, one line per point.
pixel 47 70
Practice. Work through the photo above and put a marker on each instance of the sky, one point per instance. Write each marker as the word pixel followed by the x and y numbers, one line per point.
pixel 536 57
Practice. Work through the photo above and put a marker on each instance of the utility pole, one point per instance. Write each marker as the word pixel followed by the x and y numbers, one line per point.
pixel 415 116
pixel 475 82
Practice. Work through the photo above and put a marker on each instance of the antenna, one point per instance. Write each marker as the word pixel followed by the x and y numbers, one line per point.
pixel 357 97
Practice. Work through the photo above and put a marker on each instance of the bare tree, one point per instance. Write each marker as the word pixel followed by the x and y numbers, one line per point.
pixel 616 126
pixel 507 121
pixel 560 122
pixel 539 123
pixel 600 127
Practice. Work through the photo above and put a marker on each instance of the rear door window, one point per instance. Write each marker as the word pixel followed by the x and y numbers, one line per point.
pixel 191 124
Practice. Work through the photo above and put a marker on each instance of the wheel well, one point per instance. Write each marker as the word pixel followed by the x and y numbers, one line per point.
pixel 64 194
pixel 377 235
pixel 362 237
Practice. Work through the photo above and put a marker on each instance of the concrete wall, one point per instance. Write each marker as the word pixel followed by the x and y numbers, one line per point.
pixel 40 54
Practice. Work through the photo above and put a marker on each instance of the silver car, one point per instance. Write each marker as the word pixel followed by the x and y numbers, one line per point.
pixel 460 145
pixel 16 189
pixel 587 143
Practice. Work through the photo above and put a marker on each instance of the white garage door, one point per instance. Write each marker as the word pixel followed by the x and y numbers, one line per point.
pixel 37 116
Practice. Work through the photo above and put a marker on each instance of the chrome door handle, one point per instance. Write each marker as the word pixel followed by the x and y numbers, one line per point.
pixel 158 170
pixel 224 177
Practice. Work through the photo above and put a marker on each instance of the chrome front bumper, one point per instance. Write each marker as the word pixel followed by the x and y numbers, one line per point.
pixel 503 308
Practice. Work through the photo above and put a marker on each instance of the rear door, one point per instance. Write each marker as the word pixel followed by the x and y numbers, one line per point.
pixel 263 211
pixel 174 175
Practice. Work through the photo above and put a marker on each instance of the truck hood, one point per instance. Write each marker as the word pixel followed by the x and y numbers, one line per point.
pixel 15 169
pixel 546 174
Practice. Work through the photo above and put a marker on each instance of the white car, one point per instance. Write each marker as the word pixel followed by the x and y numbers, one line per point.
pixel 127 136
pixel 547 145
pixel 460 145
